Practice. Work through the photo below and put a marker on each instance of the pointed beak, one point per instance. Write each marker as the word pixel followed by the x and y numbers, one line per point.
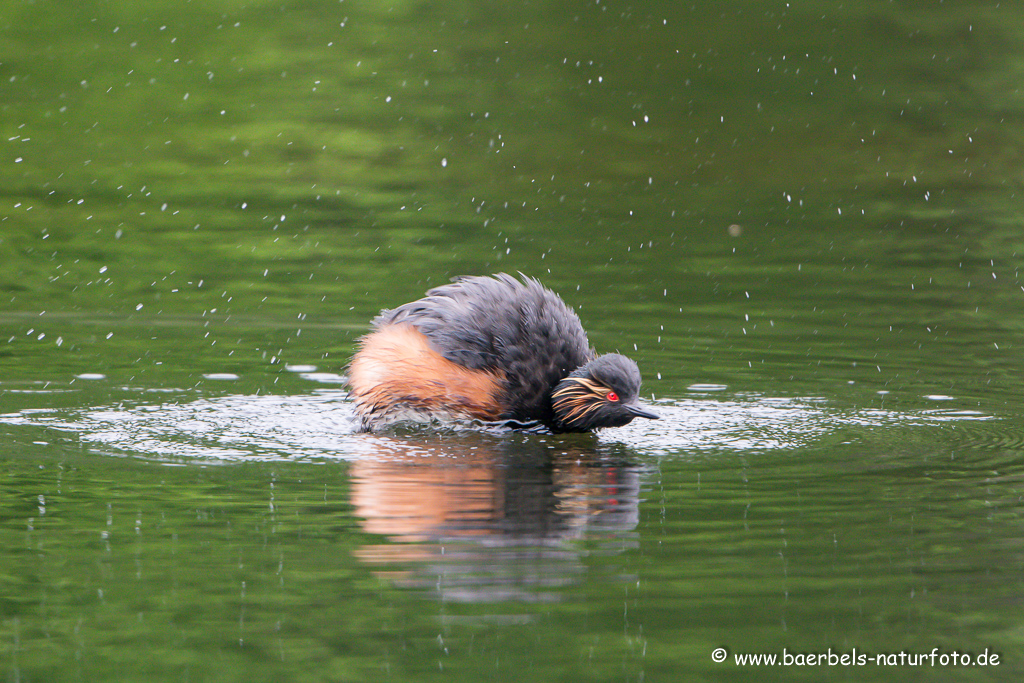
pixel 638 411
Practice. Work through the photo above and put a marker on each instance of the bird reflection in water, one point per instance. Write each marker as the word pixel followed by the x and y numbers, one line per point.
pixel 479 518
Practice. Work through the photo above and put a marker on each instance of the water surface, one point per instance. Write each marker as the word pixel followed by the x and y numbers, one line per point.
pixel 799 218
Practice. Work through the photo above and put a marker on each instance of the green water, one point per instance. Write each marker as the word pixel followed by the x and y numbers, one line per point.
pixel 801 219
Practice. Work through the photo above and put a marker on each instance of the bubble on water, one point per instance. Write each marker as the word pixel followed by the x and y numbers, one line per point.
pixel 324 377
pixel 701 388
pixel 300 368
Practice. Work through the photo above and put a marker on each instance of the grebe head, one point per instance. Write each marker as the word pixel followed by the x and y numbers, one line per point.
pixel 602 393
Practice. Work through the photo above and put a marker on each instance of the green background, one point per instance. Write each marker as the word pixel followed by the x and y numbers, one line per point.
pixel 801 219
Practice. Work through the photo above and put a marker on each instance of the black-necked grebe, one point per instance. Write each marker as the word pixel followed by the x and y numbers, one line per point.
pixel 493 349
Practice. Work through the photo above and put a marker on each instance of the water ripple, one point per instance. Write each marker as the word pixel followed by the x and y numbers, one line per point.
pixel 323 425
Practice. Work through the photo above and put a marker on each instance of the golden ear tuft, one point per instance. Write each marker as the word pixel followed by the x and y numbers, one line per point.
pixel 577 398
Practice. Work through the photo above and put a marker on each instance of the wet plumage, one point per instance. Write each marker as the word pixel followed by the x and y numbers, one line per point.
pixel 494 349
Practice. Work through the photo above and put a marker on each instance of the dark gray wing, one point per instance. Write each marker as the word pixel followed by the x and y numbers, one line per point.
pixel 518 327
pixel 483 322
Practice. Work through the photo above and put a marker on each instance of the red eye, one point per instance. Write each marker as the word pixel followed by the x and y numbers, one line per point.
pixel 612 396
